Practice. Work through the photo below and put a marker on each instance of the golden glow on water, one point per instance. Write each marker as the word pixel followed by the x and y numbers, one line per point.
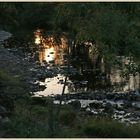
pixel 50 52
pixel 52 86
pixel 37 41
pixel 53 53
pixel 38 37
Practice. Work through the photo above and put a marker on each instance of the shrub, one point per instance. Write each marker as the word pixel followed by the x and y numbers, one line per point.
pixel 106 128
pixel 67 117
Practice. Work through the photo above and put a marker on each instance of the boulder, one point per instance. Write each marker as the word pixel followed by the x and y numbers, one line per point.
pixel 137 114
pixel 137 95
pixel 6 120
pixel 2 109
pixel 100 96
pixel 110 96
pixel 119 97
pixel 76 104
pixel 108 107
pixel 127 104
pixel 96 105
pixel 136 105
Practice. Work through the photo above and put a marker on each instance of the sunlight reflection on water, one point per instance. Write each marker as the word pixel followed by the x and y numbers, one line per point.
pixel 53 86
pixel 53 54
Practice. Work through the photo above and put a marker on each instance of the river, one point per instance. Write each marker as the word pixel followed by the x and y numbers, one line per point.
pixel 88 85
pixel 83 76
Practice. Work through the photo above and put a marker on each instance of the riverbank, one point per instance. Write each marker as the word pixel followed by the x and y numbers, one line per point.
pixel 83 114
pixel 120 104
pixel 89 106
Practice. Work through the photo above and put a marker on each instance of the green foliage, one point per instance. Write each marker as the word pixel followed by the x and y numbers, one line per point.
pixel 130 68
pixel 67 117
pixel 11 89
pixel 101 128
pixel 7 79
pixel 107 128
pixel 23 127
pixel 11 85
pixel 113 26
pixel 31 121
pixel 106 24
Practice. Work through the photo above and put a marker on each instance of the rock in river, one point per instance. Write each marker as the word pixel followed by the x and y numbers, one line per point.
pixel 96 105
pixel 76 104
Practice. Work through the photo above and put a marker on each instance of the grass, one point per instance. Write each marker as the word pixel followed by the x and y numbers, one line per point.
pixel 105 128
pixel 31 120
pixel 11 85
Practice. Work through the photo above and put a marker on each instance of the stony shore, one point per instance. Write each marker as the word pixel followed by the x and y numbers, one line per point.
pixel 121 106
